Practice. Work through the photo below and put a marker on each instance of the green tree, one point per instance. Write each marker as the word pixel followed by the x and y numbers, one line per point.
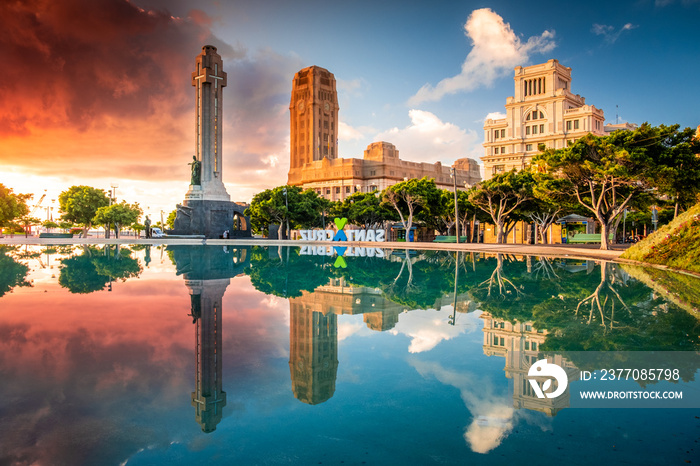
pixel 676 156
pixel 500 196
pixel 65 225
pixel 12 206
pixel 364 210
pixel 27 222
pixel 409 198
pixel 117 215
pixel 49 224
pixel 79 205
pixel 548 204
pixel 302 209
pixel 170 221
pixel 609 174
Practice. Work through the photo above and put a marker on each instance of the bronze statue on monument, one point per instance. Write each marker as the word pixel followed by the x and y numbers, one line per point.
pixel 196 179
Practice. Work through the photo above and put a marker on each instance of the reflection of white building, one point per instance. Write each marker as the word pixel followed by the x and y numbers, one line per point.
pixel 519 343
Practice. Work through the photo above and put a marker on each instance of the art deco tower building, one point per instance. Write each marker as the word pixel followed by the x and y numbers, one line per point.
pixel 313 118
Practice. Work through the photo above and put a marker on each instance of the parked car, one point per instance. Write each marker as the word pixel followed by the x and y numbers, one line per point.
pixel 157 233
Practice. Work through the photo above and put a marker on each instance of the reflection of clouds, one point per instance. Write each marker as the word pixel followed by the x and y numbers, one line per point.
pixel 493 412
pixel 352 325
pixel 427 329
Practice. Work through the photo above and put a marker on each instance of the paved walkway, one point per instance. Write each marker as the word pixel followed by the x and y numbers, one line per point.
pixel 584 251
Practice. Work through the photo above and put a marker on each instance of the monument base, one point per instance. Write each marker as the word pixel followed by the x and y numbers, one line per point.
pixel 211 219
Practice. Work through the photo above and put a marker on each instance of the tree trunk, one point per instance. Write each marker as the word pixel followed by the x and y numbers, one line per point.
pixel 500 233
pixel 604 229
pixel 280 231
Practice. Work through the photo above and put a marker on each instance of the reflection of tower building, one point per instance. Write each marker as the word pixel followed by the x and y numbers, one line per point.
pixel 208 398
pixel 313 353
pixel 313 332
pixel 519 344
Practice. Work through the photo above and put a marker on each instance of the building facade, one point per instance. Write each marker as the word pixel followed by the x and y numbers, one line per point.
pixel 314 159
pixel 542 113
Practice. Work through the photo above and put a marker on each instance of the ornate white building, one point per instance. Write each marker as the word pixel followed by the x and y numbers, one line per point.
pixel 543 113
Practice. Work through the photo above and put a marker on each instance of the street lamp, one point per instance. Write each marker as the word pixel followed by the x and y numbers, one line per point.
pixel 114 192
pixel 453 175
pixel 286 204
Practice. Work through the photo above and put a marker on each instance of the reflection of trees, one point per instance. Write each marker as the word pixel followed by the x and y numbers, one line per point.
pixel 499 280
pixel 12 273
pixel 605 311
pixel 415 280
pixel 94 268
pixel 285 272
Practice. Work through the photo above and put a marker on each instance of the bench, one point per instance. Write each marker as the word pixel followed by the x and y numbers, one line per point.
pixel 449 239
pixel 586 238
pixel 55 235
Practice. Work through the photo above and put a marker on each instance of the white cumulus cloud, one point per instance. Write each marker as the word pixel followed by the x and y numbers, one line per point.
pixel 496 50
pixel 429 139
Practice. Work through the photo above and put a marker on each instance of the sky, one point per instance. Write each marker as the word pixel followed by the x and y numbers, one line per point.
pixel 98 92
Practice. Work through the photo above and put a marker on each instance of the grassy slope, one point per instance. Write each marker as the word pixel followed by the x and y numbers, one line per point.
pixel 676 245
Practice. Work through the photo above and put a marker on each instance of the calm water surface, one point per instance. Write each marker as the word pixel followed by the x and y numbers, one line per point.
pixel 146 355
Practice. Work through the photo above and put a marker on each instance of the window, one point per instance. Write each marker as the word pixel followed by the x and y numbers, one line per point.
pixel 495 134
pixel 503 150
pixel 527 130
pixel 337 189
pixel 534 346
pixel 528 117
pixel 575 124
pixel 528 147
pixel 503 133
pixel 347 189
pixel 541 115
pixel 495 150
pixel 534 129
pixel 541 129
pixel 328 190
pixel 527 345
pixel 568 125
pixel 499 169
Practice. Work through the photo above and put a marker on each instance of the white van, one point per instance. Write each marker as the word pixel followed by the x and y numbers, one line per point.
pixel 157 233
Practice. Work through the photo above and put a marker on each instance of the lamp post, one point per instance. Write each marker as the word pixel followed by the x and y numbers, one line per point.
pixel 453 174
pixel 286 204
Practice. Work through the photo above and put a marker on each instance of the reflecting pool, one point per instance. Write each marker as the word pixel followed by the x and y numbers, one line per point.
pixel 145 355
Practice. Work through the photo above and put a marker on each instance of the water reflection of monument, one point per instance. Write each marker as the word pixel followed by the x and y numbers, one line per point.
pixel 519 343
pixel 313 332
pixel 208 271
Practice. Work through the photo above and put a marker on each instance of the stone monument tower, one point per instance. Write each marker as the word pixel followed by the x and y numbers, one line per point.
pixel 207 209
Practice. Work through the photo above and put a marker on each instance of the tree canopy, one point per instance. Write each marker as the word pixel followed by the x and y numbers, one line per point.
pixel 364 210
pixel 501 195
pixel 118 215
pixel 12 205
pixel 302 209
pixel 79 205
pixel 411 198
